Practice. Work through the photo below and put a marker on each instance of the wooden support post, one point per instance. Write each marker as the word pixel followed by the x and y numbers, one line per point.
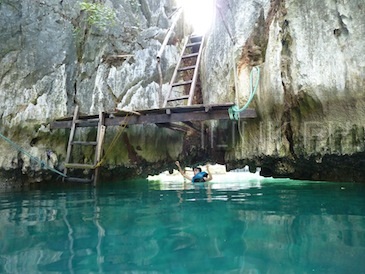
pixel 70 139
pixel 196 72
pixel 99 146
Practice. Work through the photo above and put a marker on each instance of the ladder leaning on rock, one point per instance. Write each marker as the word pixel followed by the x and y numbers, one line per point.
pixel 186 71
pixel 97 145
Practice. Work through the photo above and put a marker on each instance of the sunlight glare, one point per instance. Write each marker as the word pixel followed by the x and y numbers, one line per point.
pixel 199 14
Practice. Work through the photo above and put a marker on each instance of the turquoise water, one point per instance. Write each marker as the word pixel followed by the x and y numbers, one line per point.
pixel 240 226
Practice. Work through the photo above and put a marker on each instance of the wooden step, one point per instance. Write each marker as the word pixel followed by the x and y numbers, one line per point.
pixel 182 83
pixel 187 68
pixel 190 55
pixel 196 39
pixel 79 166
pixel 85 143
pixel 185 97
pixel 193 44
pixel 79 180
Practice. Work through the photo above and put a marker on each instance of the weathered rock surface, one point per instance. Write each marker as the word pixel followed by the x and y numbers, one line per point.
pixel 310 100
pixel 311 95
pixel 52 59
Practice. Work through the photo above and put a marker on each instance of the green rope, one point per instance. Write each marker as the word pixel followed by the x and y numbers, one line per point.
pixel 234 111
pixel 20 149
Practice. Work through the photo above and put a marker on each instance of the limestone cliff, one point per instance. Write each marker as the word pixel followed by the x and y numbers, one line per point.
pixel 55 55
pixel 310 100
pixel 311 95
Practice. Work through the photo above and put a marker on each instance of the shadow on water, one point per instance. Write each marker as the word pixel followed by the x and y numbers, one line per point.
pixel 239 225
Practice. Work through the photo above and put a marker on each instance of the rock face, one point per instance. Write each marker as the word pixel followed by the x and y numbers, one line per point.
pixel 311 93
pixel 310 98
pixel 53 57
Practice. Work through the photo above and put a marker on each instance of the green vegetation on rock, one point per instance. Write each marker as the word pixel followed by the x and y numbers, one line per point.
pixel 98 14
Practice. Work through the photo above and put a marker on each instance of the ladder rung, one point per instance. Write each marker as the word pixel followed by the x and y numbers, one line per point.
pixel 196 37
pixel 178 98
pixel 78 180
pixel 193 44
pixel 79 166
pixel 85 143
pixel 189 55
pixel 182 83
pixel 187 68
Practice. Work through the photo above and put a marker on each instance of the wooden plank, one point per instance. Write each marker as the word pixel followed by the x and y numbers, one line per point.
pixel 169 32
pixel 179 117
pixel 99 146
pixel 67 120
pixel 175 116
pixel 78 180
pixel 185 97
pixel 82 117
pixel 71 137
pixel 178 109
pixel 195 75
pixel 186 68
pixel 178 84
pixel 189 55
pixel 181 109
pixel 185 109
pixel 100 141
pixel 193 44
pixel 120 110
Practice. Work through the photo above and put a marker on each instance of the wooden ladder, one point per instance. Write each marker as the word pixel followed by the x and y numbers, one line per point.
pixel 97 144
pixel 186 72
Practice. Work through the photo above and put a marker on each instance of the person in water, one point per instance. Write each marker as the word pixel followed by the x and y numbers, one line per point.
pixel 199 175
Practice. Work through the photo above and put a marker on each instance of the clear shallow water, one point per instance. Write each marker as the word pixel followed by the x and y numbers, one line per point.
pixel 238 225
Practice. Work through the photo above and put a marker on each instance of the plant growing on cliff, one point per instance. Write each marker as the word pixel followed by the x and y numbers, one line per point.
pixel 98 14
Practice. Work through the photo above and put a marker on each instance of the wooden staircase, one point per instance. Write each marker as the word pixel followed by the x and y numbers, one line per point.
pixel 96 144
pixel 185 76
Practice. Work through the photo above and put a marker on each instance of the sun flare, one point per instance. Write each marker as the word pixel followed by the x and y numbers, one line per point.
pixel 199 13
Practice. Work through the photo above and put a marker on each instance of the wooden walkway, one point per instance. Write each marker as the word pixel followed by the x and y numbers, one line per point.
pixel 165 117
pixel 157 116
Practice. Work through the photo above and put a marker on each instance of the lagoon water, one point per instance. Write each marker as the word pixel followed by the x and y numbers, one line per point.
pixel 236 224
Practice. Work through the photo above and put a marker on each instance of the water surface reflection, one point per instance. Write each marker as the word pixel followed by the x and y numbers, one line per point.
pixel 249 225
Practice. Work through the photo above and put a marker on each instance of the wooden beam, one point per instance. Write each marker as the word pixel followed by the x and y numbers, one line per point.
pixel 168 34
pixel 179 117
pixel 127 111
pixel 157 118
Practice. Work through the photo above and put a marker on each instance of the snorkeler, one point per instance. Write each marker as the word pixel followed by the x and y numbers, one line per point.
pixel 199 175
